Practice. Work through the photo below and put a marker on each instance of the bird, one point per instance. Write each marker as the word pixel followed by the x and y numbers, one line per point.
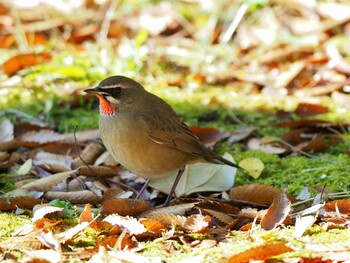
pixel 144 134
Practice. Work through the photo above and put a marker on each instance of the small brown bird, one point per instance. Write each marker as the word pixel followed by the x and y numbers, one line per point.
pixel 144 134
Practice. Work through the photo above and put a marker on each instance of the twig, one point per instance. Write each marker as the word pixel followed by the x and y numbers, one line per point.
pixel 234 24
pixel 107 20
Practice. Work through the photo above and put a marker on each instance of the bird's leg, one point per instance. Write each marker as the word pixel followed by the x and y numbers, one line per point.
pixel 177 179
pixel 142 190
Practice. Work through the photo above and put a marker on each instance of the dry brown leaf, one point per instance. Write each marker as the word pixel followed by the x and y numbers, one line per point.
pixel 343 206
pixel 209 135
pixel 31 38
pixel 54 163
pixel 196 223
pixel 223 217
pixel 256 193
pixel 307 109
pixel 39 211
pixel 218 206
pixel 4 156
pixel 152 224
pixel 91 152
pixel 295 137
pixel 82 136
pixel 277 212
pixel 63 148
pixel 101 171
pixel 87 216
pixel 24 243
pixel 111 241
pixel 21 61
pixel 131 224
pixel 174 209
pixel 12 203
pixel 78 197
pixel 262 252
pixel 320 142
pixel 169 219
pixel 9 145
pixel 124 206
pixel 311 123
pixel 47 183
pixel 38 138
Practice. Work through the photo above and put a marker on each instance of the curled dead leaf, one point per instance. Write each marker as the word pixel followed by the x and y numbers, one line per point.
pixel 277 212
pixel 54 163
pixel 37 138
pixel 21 61
pixel 78 197
pixel 256 193
pixel 124 206
pixel 47 183
pixel 91 152
pixel 262 252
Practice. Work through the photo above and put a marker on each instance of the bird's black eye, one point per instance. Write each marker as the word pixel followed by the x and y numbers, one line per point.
pixel 116 91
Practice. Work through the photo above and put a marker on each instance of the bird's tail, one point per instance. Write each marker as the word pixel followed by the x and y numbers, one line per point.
pixel 220 160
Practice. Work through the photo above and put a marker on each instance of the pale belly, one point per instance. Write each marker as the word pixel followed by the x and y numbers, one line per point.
pixel 129 144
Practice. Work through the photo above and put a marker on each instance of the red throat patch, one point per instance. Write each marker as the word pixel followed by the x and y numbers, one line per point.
pixel 106 108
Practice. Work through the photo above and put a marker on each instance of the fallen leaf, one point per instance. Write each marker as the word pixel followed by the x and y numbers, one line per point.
pixel 241 133
pixel 91 152
pixel 131 224
pixel 253 166
pixel 320 142
pixel 21 61
pixel 77 197
pixel 343 206
pixel 124 207
pixel 25 168
pixel 302 224
pixel 12 203
pixel 6 131
pixel 209 135
pixel 47 183
pixel 268 147
pixel 262 252
pixel 307 109
pixel 38 138
pixel 40 211
pixel 200 177
pixel 196 223
pixel 256 193
pixel 54 163
pixel 277 212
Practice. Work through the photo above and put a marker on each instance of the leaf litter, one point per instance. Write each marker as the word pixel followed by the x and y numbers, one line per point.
pixel 291 75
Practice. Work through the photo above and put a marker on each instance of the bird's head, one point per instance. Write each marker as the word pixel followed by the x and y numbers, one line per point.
pixel 117 93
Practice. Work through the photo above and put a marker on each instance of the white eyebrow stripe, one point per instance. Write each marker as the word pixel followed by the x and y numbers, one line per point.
pixel 111 86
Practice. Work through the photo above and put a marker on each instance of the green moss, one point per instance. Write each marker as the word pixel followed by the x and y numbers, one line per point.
pixel 5 184
pixel 86 238
pixel 294 172
pixel 10 222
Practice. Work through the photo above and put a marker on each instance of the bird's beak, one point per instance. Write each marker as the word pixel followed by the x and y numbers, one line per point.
pixel 96 91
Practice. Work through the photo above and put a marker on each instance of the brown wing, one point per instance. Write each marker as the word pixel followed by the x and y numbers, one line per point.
pixel 168 130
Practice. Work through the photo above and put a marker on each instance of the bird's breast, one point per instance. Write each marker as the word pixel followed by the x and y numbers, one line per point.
pixel 126 138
